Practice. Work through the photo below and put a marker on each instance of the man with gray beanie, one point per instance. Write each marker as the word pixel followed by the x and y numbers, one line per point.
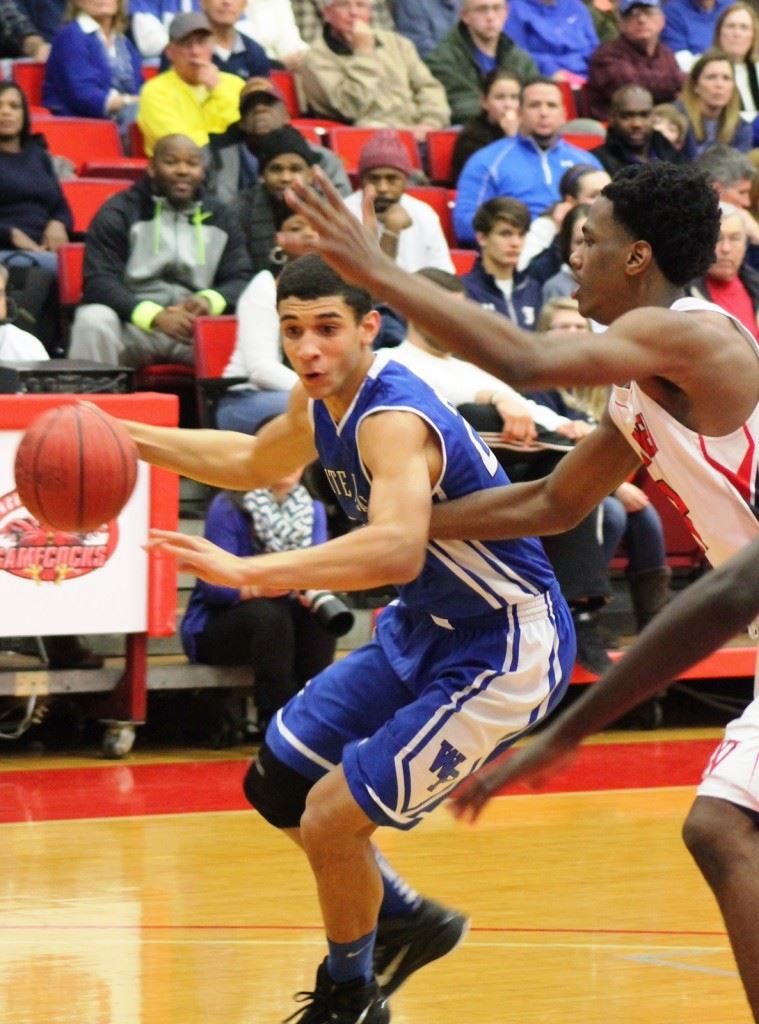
pixel 283 155
pixel 410 230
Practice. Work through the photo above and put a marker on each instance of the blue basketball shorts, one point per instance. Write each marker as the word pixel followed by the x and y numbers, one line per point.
pixel 426 703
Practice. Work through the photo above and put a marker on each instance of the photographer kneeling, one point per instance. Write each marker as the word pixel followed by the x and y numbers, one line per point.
pixel 285 637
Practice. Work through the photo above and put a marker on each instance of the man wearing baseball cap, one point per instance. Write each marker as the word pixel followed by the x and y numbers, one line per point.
pixel 234 155
pixel 409 229
pixel 193 97
pixel 637 56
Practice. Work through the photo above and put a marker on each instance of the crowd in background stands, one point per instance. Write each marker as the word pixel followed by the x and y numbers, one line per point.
pixel 672 80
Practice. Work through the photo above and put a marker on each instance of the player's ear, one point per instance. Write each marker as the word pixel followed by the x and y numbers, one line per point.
pixel 639 257
pixel 370 327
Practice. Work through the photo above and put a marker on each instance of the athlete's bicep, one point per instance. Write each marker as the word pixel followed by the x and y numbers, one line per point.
pixel 285 443
pixel 394 449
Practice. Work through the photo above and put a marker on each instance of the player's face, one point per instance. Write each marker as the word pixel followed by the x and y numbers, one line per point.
pixel 327 347
pixel 599 262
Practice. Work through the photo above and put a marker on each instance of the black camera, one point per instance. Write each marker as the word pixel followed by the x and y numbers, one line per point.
pixel 333 614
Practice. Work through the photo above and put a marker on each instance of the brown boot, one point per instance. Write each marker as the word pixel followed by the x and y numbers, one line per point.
pixel 649 590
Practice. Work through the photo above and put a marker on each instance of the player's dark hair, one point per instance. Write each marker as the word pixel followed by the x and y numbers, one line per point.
pixel 309 277
pixel 672 207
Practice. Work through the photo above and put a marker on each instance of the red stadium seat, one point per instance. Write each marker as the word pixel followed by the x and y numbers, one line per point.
pixel 86 195
pixel 463 260
pixel 569 99
pixel 285 83
pixel 583 140
pixel 136 141
pixel 70 273
pixel 213 343
pixel 440 145
pixel 80 139
pixel 29 76
pixel 132 167
pixel 439 199
pixel 348 141
pixel 315 129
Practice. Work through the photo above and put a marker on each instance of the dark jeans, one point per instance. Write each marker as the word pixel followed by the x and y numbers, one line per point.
pixel 282 641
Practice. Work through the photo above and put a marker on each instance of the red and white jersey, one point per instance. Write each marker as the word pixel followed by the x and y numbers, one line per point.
pixel 712 481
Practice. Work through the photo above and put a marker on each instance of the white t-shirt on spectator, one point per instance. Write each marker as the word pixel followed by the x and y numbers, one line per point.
pixel 422 244
pixel 20 346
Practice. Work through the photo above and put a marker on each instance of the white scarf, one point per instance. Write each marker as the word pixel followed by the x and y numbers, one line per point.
pixel 281 526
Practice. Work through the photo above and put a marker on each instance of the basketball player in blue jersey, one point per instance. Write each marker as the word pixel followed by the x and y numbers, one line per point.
pixel 478 647
pixel 684 401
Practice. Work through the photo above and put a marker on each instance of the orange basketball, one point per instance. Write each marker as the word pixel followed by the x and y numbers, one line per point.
pixel 75 468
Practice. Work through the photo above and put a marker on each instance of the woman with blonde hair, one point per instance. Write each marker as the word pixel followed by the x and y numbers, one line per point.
pixel 93 69
pixel 712 104
pixel 737 35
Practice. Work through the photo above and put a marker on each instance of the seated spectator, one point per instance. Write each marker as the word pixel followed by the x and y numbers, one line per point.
pixel 527 167
pixel 271 23
pixel 157 256
pixel 637 56
pixel 579 184
pixel 93 69
pixel 628 513
pixel 671 123
pixel 193 97
pixel 563 284
pixel 233 160
pixel 234 50
pixel 15 344
pixel 46 16
pixel 737 35
pixel 690 28
pixel 19 37
pixel 474 47
pixel 150 20
pixel 494 282
pixel 605 19
pixel 273 631
pixel 362 76
pixel 258 355
pixel 409 229
pixel 498 117
pixel 559 35
pixel 309 20
pixel 34 215
pixel 283 155
pixel 425 24
pixel 712 105
pixel 631 137
pixel 733 175
pixel 730 282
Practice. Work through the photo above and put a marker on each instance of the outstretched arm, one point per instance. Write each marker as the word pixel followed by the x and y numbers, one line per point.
pixel 628 351
pixel 553 504
pixel 223 458
pixel 389 549
pixel 707 614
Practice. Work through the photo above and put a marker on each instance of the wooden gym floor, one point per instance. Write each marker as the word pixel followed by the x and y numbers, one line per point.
pixel 143 892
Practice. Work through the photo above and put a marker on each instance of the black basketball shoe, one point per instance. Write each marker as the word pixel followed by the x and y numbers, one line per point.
pixel 404 944
pixel 354 1002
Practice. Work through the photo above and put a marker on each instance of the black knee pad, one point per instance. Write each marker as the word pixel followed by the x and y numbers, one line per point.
pixel 276 791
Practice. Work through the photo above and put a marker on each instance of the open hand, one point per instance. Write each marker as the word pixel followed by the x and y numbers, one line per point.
pixel 532 765
pixel 200 557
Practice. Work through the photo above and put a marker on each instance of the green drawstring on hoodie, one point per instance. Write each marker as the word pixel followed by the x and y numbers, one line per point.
pixel 198 216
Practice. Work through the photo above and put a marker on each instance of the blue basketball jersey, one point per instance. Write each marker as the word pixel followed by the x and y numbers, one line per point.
pixel 460 579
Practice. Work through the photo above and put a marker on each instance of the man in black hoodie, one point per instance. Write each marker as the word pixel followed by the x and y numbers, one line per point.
pixel 631 138
pixel 157 256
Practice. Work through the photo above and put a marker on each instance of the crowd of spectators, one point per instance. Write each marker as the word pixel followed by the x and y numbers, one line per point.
pixel 650 80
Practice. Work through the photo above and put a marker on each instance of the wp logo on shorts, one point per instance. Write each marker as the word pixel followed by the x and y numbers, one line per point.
pixel 43 555
pixel 445 764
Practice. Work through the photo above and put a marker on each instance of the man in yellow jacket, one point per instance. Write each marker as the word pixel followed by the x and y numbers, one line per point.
pixel 193 97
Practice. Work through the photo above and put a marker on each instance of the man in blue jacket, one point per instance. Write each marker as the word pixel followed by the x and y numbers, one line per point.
pixel 527 167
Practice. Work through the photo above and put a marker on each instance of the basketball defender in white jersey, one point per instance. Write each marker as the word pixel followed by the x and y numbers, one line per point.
pixel 685 402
